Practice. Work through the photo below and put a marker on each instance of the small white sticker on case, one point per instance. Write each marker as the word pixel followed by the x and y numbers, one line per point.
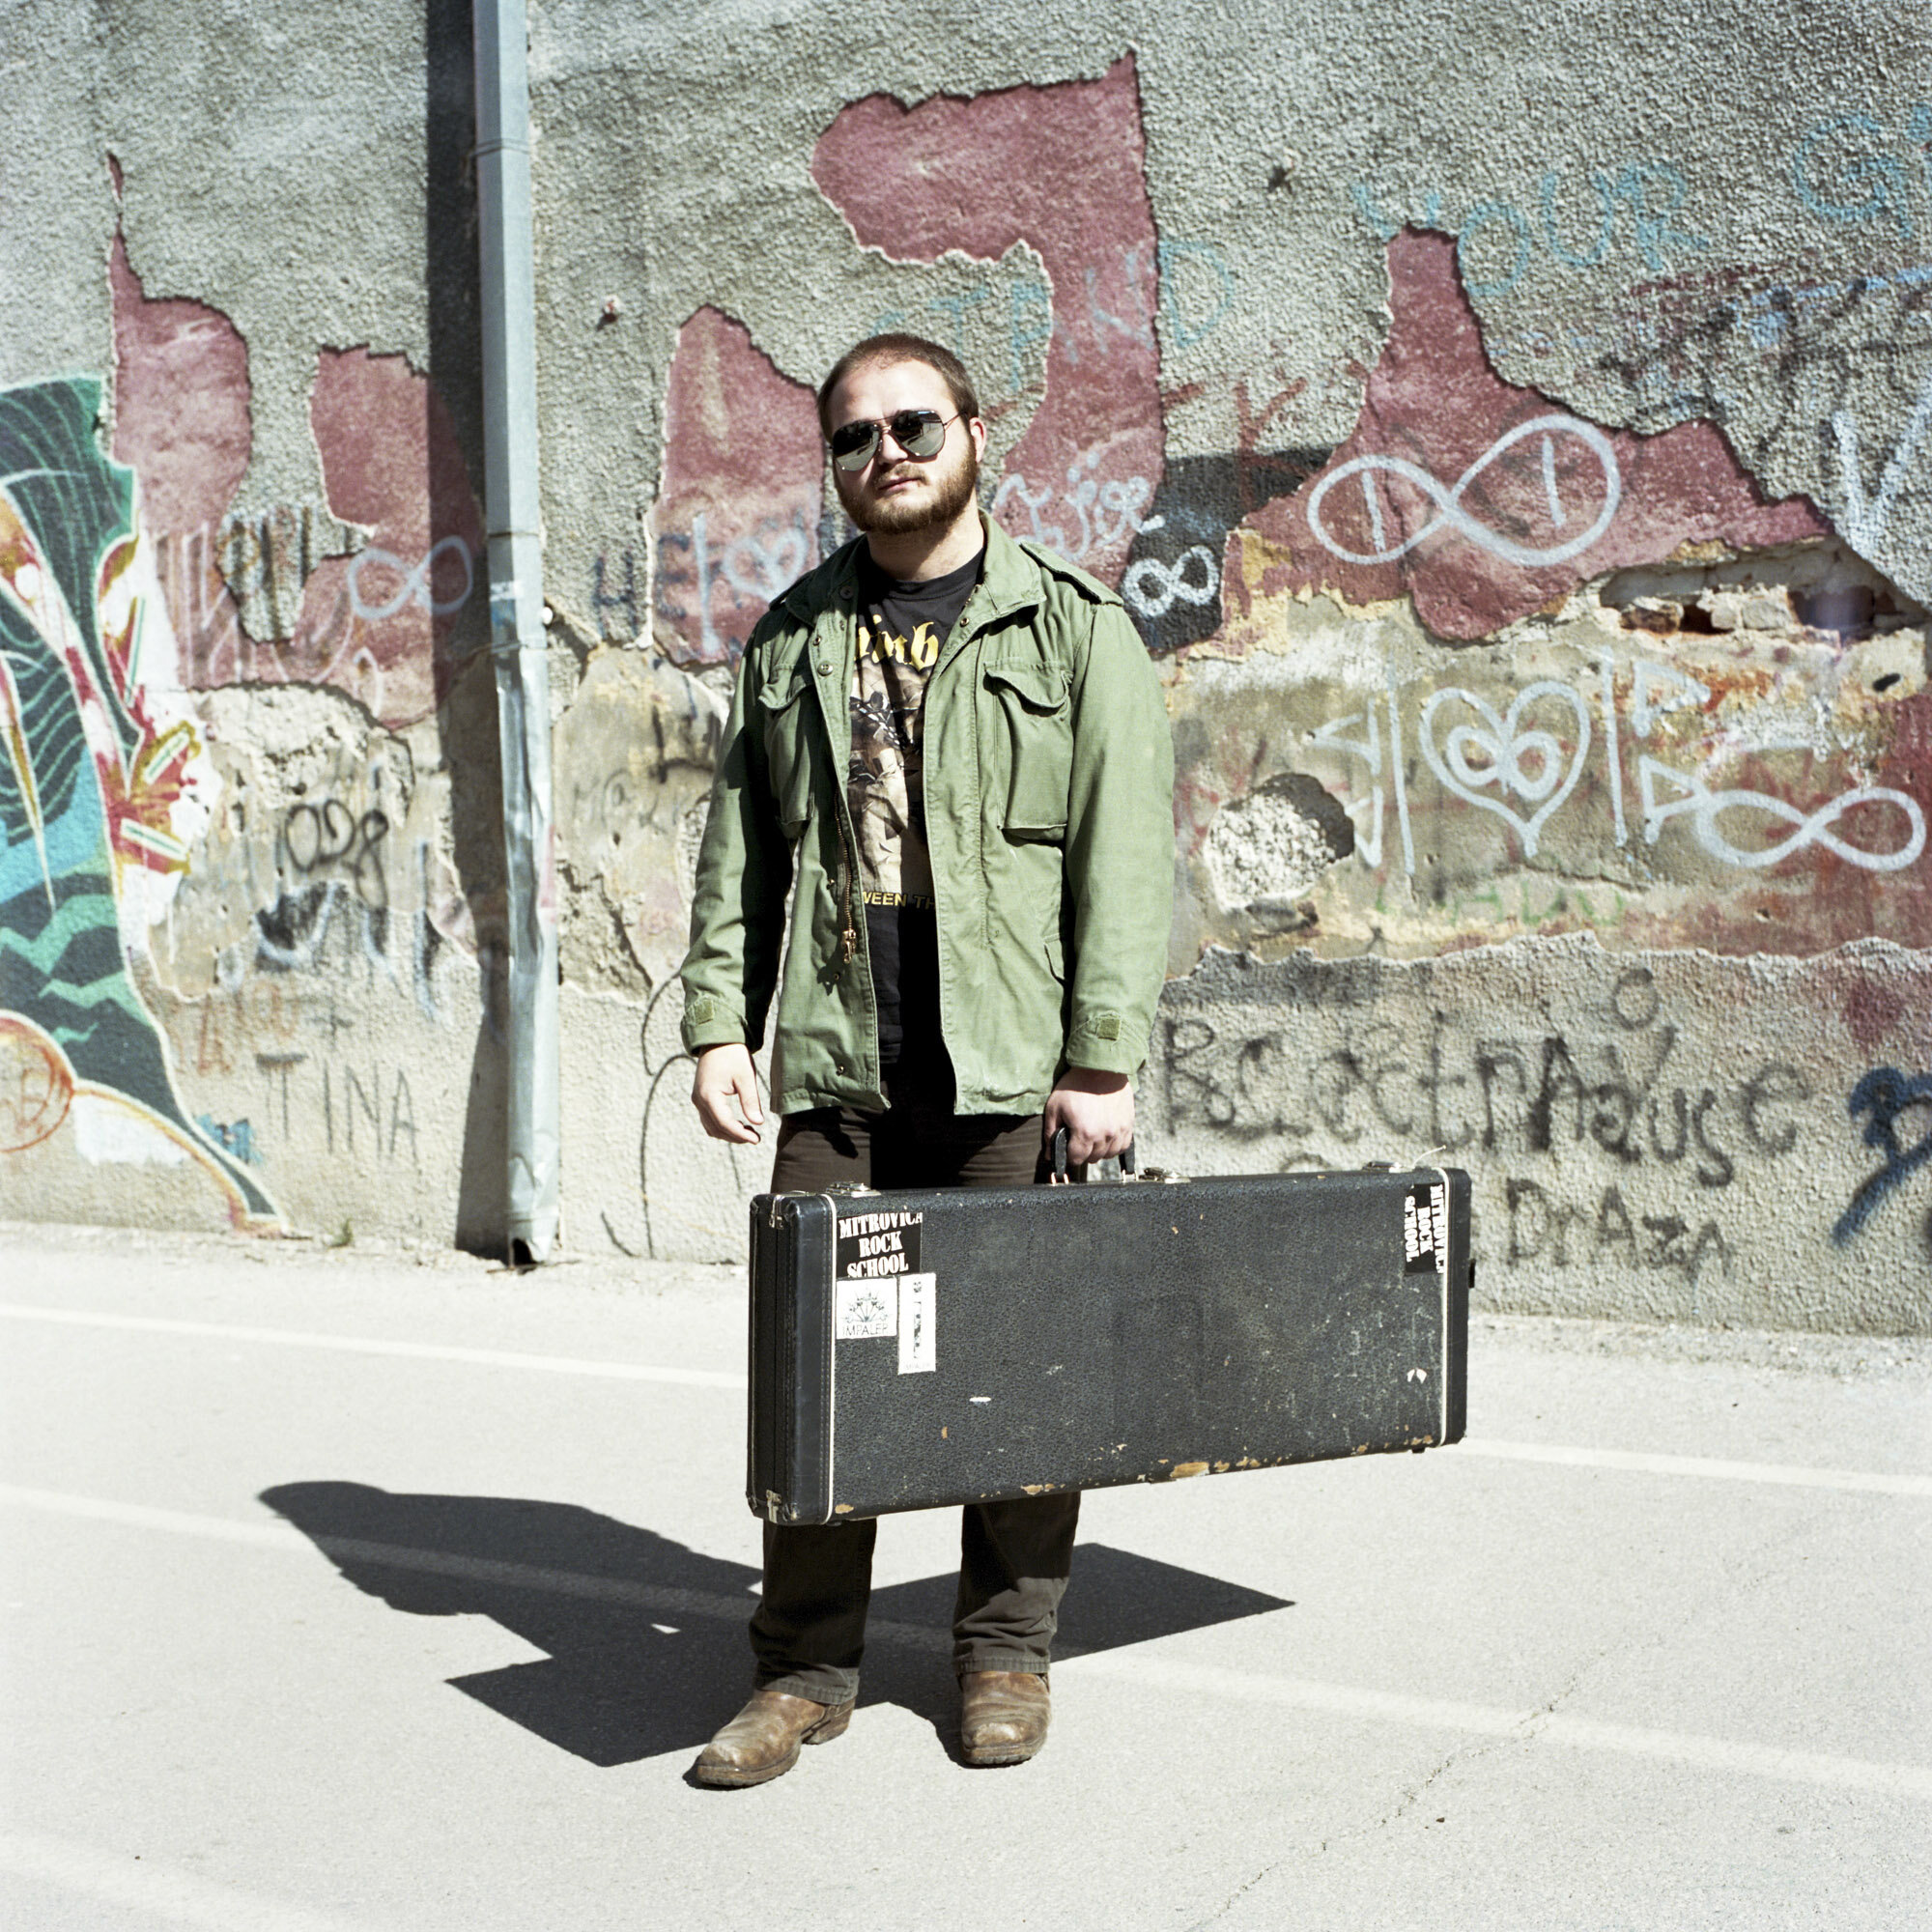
pixel 867 1309
pixel 918 1344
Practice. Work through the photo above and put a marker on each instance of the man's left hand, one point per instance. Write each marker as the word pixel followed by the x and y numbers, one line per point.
pixel 1096 1110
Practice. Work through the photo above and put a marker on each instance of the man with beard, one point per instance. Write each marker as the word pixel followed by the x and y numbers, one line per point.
pixel 952 751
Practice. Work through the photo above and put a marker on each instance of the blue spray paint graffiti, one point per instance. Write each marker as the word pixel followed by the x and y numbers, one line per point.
pixel 1196 290
pixel 1497 241
pixel 1840 179
pixel 1885 1094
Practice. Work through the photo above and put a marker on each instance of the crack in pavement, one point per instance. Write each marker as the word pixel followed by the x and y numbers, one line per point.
pixel 1759 1564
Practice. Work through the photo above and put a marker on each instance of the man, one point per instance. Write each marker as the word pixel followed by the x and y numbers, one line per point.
pixel 953 752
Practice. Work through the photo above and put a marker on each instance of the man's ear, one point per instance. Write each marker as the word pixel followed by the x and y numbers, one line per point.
pixel 977 430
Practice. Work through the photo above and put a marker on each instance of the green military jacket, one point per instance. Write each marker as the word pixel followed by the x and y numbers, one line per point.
pixel 1049 816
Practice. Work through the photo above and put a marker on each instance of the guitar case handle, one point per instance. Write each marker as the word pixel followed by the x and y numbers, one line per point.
pixel 1060 1159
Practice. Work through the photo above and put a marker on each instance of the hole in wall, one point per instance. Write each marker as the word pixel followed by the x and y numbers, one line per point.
pixel 1848 610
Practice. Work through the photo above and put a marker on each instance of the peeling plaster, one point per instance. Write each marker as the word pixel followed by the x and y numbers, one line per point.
pixel 1447 802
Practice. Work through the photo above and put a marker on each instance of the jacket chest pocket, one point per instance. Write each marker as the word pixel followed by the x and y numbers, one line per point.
pixel 784 719
pixel 1037 720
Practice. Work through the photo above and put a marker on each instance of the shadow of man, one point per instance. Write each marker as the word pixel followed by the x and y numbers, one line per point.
pixel 645 1639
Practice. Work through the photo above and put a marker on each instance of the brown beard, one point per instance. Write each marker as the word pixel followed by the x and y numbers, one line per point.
pixel 953 490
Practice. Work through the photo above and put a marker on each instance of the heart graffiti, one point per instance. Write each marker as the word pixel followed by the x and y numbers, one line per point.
pixel 1495 759
pixel 761 564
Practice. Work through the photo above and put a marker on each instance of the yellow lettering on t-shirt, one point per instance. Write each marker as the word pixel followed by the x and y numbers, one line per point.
pixel 925 647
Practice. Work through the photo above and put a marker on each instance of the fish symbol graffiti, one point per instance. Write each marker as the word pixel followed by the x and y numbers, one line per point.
pixel 1448 501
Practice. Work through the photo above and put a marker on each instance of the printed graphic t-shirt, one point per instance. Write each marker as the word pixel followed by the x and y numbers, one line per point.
pixel 902 627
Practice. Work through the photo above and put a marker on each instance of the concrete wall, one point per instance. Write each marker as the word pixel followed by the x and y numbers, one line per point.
pixel 1510 426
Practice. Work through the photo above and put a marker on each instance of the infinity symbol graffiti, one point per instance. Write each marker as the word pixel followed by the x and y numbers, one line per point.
pixel 1449 502
pixel 419 581
pixel 1703 806
pixel 1151 586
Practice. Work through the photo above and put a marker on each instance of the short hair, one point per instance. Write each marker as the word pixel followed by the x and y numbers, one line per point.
pixel 897 347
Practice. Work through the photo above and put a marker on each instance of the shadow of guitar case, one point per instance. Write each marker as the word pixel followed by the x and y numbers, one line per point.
pixel 930 1346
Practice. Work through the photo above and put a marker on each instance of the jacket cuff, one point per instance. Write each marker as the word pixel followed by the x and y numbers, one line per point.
pixel 710 1021
pixel 1106 1042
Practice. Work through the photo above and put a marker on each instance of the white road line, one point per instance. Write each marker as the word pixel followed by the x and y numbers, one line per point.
pixel 1697 1465
pixel 1635 1460
pixel 348 1549
pixel 138 1515
pixel 175 1898
pixel 1140 1664
pixel 1556 1727
pixel 357 1344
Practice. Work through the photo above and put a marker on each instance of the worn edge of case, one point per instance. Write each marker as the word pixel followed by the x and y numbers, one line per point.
pixel 793 1364
pixel 1456 1308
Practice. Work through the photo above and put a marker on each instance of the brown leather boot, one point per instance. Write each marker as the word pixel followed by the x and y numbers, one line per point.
pixel 1003 1715
pixel 763 1741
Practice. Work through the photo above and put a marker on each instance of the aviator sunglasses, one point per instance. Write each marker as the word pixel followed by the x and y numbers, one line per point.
pixel 920 433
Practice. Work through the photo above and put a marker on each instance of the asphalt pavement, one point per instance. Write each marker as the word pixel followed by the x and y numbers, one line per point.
pixel 368 1589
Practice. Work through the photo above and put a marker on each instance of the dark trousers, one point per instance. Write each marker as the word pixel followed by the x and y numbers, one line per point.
pixel 809 1631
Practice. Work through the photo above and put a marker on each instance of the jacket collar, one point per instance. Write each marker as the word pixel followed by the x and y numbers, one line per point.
pixel 1009 581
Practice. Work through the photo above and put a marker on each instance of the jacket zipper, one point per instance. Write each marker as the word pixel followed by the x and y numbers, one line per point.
pixel 848 940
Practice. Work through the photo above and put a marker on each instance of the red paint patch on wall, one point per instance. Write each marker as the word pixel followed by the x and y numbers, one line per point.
pixel 1482 502
pixel 1061 167
pixel 737 518
pixel 181 402
pixel 373 624
pixel 181 424
pixel 378 622
pixel 1871 1007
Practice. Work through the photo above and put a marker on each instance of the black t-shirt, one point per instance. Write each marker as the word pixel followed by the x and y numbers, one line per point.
pixel 902 629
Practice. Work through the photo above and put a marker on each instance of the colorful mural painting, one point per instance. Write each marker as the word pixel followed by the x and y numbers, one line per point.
pixel 96 787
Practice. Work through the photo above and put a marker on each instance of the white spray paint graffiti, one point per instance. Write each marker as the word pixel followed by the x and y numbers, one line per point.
pixel 1449 502
pixel 1865 518
pixel 1703 809
pixel 1368 842
pixel 419 581
pixel 1108 508
pixel 1494 759
pixel 1153 587
pixel 1527 764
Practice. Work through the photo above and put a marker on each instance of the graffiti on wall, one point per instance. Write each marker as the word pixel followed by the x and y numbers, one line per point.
pixel 737 518
pixel 741 511
pixel 97 784
pixel 1642 221
pixel 1062 169
pixel 1355 789
pixel 1880 1099
pixel 281 596
pixel 1489 511
pixel 1610 1118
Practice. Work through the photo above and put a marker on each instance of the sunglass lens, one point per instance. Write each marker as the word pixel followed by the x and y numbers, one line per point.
pixel 853 444
pixel 919 432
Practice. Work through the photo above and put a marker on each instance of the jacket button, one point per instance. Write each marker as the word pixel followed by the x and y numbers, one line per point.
pixel 823 668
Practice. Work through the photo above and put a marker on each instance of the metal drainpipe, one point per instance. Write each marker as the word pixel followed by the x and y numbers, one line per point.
pixel 516 615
